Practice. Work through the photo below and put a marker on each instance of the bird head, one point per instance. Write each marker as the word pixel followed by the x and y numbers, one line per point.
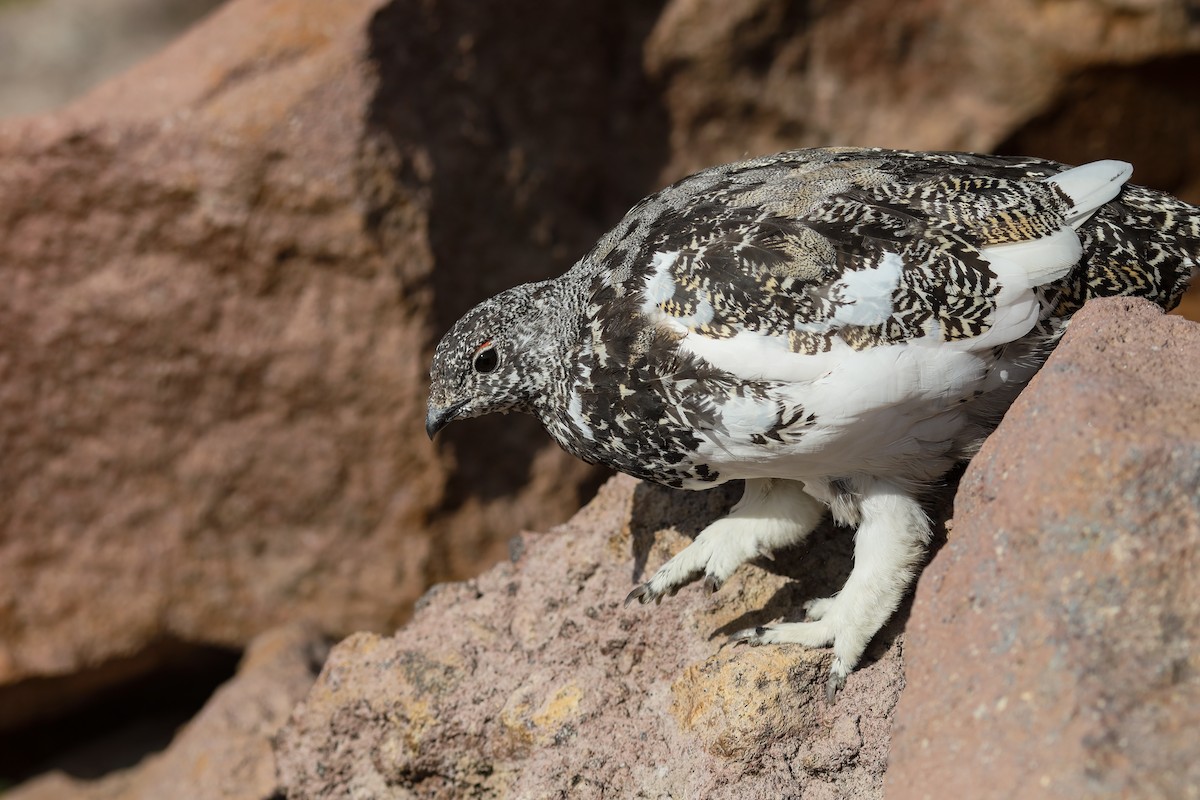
pixel 486 363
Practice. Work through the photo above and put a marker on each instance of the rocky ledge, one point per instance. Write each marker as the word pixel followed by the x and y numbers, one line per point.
pixel 1050 650
pixel 534 681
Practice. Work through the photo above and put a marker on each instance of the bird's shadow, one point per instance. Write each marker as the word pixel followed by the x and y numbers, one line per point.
pixel 658 507
pixel 816 568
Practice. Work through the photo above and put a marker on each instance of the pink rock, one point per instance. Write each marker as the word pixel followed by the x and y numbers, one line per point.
pixel 1052 649
pixel 224 753
pixel 534 681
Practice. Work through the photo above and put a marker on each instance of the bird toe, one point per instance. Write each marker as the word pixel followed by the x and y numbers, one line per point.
pixel 837 679
pixel 750 636
pixel 640 593
pixel 646 593
pixel 816 610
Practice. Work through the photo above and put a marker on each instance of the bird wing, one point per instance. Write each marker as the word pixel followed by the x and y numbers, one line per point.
pixel 780 271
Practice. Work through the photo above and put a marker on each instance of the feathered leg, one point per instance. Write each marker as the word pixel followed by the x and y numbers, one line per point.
pixel 772 514
pixel 888 548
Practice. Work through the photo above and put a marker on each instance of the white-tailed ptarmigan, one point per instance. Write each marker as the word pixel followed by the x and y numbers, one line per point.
pixel 835 327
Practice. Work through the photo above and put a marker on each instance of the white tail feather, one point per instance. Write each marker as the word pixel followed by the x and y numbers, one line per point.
pixel 1034 262
pixel 1091 186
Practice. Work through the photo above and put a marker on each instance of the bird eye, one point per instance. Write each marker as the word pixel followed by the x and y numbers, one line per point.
pixel 486 359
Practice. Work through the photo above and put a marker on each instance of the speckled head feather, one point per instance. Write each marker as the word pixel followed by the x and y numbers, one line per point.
pixel 496 359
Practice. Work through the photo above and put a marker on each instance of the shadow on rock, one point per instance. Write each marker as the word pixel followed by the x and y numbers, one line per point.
pixel 816 568
pixel 501 132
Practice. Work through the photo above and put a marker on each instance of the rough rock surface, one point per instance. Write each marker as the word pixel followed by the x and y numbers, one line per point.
pixel 1052 649
pixel 533 681
pixel 224 753
pixel 1054 643
pixel 1050 652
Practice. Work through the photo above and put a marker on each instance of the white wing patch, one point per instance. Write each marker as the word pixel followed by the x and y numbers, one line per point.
pixel 575 411
pixel 754 356
pixel 1023 265
pixel 868 292
pixel 660 285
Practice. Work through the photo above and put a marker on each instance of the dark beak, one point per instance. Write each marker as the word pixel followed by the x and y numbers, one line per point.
pixel 438 418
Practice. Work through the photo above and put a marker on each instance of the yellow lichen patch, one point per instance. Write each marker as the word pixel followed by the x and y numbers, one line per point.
pixel 532 716
pixel 414 718
pixel 563 704
pixel 407 723
pixel 518 731
pixel 412 705
pixel 738 700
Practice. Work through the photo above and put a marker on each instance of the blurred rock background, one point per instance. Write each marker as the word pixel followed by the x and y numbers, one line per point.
pixel 52 51
pixel 224 271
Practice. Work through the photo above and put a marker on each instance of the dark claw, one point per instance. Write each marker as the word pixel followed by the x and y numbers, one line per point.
pixel 712 584
pixel 832 687
pixel 639 593
pixel 644 594
pixel 750 636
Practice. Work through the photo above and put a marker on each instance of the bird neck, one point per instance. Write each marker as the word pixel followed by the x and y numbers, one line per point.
pixel 549 330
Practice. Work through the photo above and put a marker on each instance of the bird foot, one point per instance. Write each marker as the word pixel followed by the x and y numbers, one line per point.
pixel 770 515
pixel 656 589
pixel 808 634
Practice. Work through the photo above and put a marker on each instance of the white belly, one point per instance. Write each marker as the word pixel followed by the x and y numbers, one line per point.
pixel 898 411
